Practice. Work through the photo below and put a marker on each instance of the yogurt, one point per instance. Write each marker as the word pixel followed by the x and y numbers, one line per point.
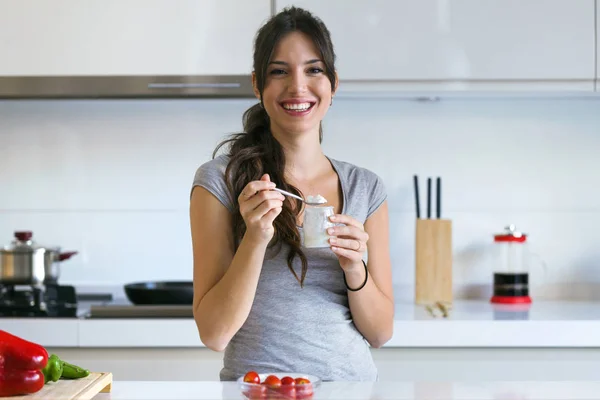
pixel 318 199
pixel 316 223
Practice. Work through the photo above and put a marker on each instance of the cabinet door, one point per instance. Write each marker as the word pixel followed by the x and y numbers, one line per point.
pixel 598 49
pixel 131 37
pixel 505 42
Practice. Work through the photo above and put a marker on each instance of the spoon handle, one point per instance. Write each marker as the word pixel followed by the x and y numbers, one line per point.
pixel 289 194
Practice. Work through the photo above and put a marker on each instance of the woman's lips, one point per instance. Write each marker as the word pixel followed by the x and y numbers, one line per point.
pixel 298 109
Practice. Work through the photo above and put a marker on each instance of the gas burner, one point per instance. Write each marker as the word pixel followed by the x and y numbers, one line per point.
pixel 38 301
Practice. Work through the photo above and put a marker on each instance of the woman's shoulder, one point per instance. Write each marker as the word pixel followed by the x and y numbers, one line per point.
pixel 365 189
pixel 217 164
pixel 211 176
pixel 353 173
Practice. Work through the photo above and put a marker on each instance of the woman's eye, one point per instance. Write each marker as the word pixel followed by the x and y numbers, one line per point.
pixel 277 72
pixel 315 70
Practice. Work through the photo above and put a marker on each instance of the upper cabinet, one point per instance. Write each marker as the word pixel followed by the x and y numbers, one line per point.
pixel 461 44
pixel 132 37
pixel 131 48
pixel 598 47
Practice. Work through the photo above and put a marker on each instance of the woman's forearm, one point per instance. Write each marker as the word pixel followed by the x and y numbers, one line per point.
pixel 225 308
pixel 372 311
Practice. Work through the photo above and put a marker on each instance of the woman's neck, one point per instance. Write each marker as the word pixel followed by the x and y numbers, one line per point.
pixel 304 159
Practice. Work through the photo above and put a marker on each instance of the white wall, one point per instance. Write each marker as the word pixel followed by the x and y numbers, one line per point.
pixel 112 178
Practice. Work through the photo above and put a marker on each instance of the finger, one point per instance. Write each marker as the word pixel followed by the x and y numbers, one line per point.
pixel 266 195
pixel 350 244
pixel 270 216
pixel 349 254
pixel 254 187
pixel 348 232
pixel 264 208
pixel 265 178
pixel 347 220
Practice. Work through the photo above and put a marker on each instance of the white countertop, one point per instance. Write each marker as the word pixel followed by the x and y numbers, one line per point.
pixel 470 324
pixel 356 390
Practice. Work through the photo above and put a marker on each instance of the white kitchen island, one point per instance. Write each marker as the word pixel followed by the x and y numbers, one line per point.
pixel 552 340
pixel 577 390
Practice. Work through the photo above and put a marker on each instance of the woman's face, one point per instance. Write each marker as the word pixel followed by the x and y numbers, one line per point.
pixel 297 91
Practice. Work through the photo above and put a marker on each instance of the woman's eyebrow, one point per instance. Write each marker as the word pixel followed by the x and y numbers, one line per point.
pixel 313 61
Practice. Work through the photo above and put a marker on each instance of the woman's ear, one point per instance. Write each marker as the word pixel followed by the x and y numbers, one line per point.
pixel 337 82
pixel 255 87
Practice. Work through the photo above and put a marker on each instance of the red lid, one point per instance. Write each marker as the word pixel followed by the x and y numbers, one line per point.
pixel 511 299
pixel 510 234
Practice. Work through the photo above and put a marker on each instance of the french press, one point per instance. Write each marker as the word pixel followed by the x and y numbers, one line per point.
pixel 511 267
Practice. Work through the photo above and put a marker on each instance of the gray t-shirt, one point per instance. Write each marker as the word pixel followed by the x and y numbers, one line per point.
pixel 302 330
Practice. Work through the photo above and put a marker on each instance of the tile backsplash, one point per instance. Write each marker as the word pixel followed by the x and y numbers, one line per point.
pixel 111 179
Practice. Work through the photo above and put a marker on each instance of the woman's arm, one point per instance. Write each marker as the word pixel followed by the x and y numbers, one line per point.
pixel 372 307
pixel 225 282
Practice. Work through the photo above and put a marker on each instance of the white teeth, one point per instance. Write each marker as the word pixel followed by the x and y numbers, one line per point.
pixel 297 106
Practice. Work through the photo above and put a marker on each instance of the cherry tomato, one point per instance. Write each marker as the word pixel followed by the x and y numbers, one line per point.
pixel 304 388
pixel 251 377
pixel 272 381
pixel 287 392
pixel 288 381
pixel 257 392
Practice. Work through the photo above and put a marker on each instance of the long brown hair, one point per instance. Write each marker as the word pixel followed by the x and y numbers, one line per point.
pixel 255 151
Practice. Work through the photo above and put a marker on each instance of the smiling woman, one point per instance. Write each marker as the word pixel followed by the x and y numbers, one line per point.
pixel 261 295
pixel 296 92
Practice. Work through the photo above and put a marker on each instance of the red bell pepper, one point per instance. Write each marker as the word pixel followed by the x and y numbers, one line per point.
pixel 21 364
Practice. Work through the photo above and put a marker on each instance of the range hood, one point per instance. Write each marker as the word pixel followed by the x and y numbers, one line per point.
pixel 128 49
pixel 132 86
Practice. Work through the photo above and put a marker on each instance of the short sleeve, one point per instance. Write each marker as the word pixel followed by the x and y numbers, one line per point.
pixel 211 176
pixel 378 193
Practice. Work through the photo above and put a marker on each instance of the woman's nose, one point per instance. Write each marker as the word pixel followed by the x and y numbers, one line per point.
pixel 297 82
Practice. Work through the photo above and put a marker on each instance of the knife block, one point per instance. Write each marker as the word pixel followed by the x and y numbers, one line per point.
pixel 433 261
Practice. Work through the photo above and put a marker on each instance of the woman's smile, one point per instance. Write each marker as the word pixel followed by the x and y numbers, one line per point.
pixel 297 91
pixel 298 107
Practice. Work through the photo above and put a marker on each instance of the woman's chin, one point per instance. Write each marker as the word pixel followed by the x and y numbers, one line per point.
pixel 300 129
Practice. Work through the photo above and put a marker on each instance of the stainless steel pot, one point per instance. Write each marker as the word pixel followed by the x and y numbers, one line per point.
pixel 23 262
pixel 52 260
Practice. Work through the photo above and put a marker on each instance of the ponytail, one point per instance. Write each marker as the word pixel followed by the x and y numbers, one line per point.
pixel 251 154
pixel 256 119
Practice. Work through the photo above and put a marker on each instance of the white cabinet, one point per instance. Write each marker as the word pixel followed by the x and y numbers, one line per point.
pixel 433 365
pixel 129 37
pixel 462 44
pixel 598 47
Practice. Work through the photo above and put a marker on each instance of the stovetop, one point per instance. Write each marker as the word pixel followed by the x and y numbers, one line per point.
pixel 63 301
pixel 51 300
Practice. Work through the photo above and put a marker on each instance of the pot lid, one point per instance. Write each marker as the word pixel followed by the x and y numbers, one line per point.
pixel 22 243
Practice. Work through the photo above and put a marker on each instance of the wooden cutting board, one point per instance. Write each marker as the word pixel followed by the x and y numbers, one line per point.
pixel 73 389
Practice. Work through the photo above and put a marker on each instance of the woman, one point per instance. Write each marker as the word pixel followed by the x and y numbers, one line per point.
pixel 271 304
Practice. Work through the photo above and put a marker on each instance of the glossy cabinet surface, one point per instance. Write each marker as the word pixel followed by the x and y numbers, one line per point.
pixel 598 47
pixel 463 40
pixel 132 37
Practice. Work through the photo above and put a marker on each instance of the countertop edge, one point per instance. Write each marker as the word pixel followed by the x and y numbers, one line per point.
pixel 182 333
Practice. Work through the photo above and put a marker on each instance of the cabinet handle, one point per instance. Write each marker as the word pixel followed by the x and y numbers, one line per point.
pixel 193 85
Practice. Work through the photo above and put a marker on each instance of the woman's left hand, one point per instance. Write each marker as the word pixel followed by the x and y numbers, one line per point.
pixel 348 242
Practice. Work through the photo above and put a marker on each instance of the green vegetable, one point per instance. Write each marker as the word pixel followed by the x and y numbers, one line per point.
pixel 71 371
pixel 53 369
pixel 58 369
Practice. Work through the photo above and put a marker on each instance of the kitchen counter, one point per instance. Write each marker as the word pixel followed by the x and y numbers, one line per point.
pixel 469 324
pixel 578 390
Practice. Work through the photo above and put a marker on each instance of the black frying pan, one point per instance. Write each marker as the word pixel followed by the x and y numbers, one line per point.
pixel 174 292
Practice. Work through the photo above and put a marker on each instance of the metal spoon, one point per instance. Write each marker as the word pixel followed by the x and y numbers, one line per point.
pixel 298 197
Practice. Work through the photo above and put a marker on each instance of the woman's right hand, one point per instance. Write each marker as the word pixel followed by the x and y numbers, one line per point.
pixel 259 206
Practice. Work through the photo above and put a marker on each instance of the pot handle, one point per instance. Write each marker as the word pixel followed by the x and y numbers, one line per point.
pixel 66 255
